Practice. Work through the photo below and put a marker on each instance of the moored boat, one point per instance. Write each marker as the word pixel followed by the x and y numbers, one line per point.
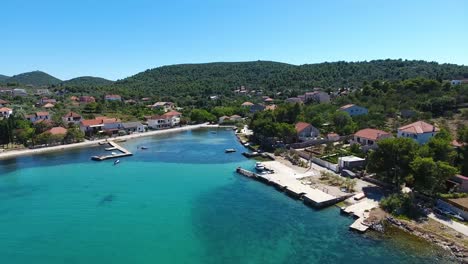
pixel 229 150
pixel 259 166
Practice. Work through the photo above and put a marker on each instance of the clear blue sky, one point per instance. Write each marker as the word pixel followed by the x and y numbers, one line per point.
pixel 115 39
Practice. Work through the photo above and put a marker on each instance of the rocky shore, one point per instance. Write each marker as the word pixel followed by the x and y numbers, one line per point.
pixel 459 251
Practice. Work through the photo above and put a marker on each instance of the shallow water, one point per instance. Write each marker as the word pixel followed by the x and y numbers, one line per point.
pixel 177 202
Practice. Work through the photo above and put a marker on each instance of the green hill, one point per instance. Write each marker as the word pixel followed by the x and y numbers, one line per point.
pixel 86 81
pixel 221 78
pixel 3 78
pixel 35 78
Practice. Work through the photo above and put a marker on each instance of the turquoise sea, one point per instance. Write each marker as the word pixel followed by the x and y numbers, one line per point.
pixel 177 202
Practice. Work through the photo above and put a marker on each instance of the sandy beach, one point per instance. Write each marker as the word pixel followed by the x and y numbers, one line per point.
pixel 23 152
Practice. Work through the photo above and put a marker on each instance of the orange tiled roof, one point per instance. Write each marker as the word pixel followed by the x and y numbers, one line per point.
pixel 418 127
pixel 301 126
pixel 370 133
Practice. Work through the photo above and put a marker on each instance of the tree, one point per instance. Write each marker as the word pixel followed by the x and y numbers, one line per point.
pixel 392 159
pixel 440 149
pixel 430 176
pixel 343 123
pixel 74 134
pixel 201 115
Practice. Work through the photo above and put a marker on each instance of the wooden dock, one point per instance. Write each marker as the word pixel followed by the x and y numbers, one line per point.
pixel 293 188
pixel 113 146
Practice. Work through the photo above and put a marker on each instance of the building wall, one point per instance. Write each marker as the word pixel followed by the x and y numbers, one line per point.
pixel 356 110
pixel 419 138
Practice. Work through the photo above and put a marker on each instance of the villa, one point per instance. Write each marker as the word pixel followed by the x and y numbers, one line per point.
pixel 306 130
pixel 420 131
pixel 72 117
pixel 167 120
pixel 369 137
pixel 100 124
pixel 113 97
pixel 87 99
pixel 132 127
pixel 6 112
pixel 165 106
pixel 354 110
pixel 38 116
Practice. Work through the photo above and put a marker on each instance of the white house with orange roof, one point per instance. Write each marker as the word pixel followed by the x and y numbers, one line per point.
pixel 420 131
pixel 305 130
pixel 72 117
pixel 167 120
pixel 354 110
pixel 6 112
pixel 369 137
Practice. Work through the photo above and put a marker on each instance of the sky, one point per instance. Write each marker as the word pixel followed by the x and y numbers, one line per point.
pixel 119 38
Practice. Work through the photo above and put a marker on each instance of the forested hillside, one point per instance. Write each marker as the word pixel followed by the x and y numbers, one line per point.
pixel 86 81
pixel 35 78
pixel 220 78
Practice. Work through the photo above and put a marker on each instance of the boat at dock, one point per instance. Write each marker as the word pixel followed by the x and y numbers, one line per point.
pixel 259 166
pixel 230 150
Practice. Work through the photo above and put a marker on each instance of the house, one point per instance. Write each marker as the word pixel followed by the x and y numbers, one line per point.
pixel 247 104
pixel 230 119
pixel 167 120
pixel 87 99
pixel 130 101
pixel 306 130
pixel 294 100
pixel 256 108
pixel 317 97
pixel 6 112
pixel 270 107
pixel 268 100
pixel 351 162
pixel 48 106
pixel 72 117
pixel 42 92
pixel 38 116
pixel 112 97
pixel 369 137
pixel 354 110
pixel 100 124
pixel 6 91
pixel 132 127
pixel 460 183
pixel 19 92
pixel 165 106
pixel 57 131
pixel 3 102
pixel 333 137
pixel 420 131
pixel 74 98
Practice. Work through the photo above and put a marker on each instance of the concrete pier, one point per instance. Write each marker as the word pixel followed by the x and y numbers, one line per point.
pixel 114 146
pixel 360 211
pixel 293 188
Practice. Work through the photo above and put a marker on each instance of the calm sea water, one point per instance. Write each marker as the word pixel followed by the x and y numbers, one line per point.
pixel 177 202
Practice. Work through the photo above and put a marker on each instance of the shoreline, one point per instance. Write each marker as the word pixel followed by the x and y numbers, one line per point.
pixel 25 152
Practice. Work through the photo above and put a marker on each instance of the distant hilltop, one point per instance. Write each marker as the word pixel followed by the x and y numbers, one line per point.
pixel 39 78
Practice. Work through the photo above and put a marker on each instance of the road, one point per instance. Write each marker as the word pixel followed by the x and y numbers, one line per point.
pixel 452 224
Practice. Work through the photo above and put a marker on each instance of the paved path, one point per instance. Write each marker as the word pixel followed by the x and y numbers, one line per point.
pixel 452 224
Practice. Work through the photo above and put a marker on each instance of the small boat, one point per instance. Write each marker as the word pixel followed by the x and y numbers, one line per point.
pixel 213 132
pixel 230 150
pixel 259 166
pixel 144 147
pixel 116 162
pixel 114 153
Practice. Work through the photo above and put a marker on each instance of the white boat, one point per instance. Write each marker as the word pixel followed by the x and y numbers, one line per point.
pixel 144 147
pixel 116 162
pixel 114 153
pixel 259 166
pixel 229 150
